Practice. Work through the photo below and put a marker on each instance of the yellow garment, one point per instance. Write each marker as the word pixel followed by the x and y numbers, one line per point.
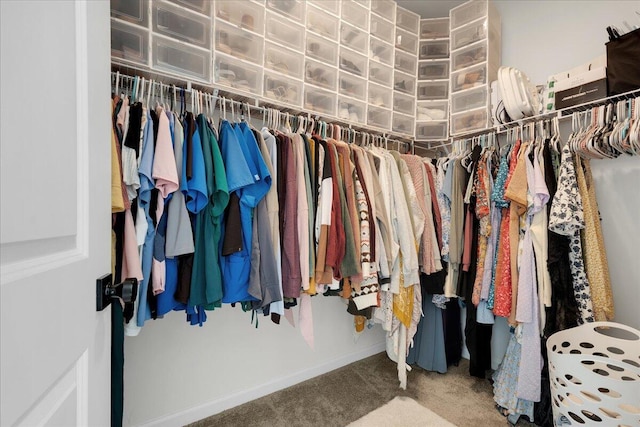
pixel 403 302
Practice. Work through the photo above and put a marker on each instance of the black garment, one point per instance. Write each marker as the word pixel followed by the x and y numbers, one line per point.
pixel 452 332
pixel 232 241
pixel 185 267
pixel 117 363
pixel 132 139
pixel 118 229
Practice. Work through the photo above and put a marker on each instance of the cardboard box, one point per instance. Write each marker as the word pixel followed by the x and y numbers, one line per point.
pixel 580 88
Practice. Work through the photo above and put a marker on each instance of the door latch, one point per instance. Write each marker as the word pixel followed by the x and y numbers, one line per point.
pixel 106 291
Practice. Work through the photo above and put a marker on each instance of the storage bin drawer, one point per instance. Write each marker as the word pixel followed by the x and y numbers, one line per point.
pixel 404 103
pixel 382 29
pixel 467 12
pixel 432 131
pixel 320 74
pixel 437 49
pixel 365 3
pixel 381 74
pixel 469 78
pixel 283 60
pixel 433 70
pixel 379 96
pixel 355 14
pixel 282 89
pixel 406 41
pixel 402 124
pixel 353 62
pixel 379 117
pixel 406 62
pixel 352 86
pixel 469 56
pixel 407 20
pixel 467 35
pixel 132 11
pixel 351 110
pixel 244 14
pixel 469 121
pixel 322 23
pixel 381 51
pixel 237 74
pixel 181 58
pixel 331 6
pixel 181 24
pixel 404 83
pixel 239 43
pixel 129 43
pixel 320 101
pixel 385 8
pixel 283 31
pixel 293 9
pixel 354 38
pixel 322 50
pixel 434 28
pixel 469 100
pixel 200 6
pixel 433 90
pixel 432 110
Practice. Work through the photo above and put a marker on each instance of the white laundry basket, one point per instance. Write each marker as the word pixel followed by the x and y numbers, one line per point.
pixel 595 375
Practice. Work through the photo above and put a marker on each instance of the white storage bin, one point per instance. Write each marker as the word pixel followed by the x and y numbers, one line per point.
pixel 283 60
pixel 379 96
pixel 379 117
pixel 437 28
pixel 469 121
pixel 322 50
pixel 402 124
pixel 385 8
pixel 381 51
pixel 293 9
pixel 405 62
pixel 467 12
pixel 432 110
pixel 404 103
pixel 354 38
pixel 239 43
pixel 320 74
pixel 407 20
pixel 469 100
pixel 322 23
pixel 469 56
pixel 436 49
pixel 355 14
pixel 404 83
pixel 382 29
pixel 406 41
pixel 129 42
pixel 381 74
pixel 351 110
pixel 469 34
pixel 320 101
pixel 132 11
pixel 331 6
pixel 469 78
pixel 433 90
pixel 181 24
pixel 200 6
pixel 352 86
pixel 238 75
pixel 365 3
pixel 282 89
pixel 244 14
pixel 353 62
pixel 433 70
pixel 181 58
pixel 433 131
pixel 283 31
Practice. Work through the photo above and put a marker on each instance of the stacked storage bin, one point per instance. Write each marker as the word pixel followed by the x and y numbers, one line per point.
pixel 475 58
pixel 432 107
pixel 404 74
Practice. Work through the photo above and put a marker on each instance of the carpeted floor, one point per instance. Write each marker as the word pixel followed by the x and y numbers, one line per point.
pixel 342 396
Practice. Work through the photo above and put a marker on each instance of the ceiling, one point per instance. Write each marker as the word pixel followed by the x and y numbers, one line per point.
pixel 430 8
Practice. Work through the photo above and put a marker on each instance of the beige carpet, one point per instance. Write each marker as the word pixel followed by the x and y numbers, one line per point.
pixel 402 411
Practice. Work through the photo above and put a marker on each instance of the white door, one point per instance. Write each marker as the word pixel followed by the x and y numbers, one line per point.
pixel 54 212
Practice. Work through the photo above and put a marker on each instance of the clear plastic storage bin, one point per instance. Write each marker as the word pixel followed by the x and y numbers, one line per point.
pixel 382 29
pixel 469 78
pixel 351 110
pixel 381 51
pixel 322 50
pixel 282 89
pixel 433 70
pixel 379 96
pixel 200 6
pixel 432 131
pixel 467 12
pixel 469 56
pixel 239 43
pixel 331 6
pixel 322 23
pixel 437 49
pixel 469 100
pixel 404 83
pixel 284 31
pixel 181 24
pixel 407 20
pixel 132 11
pixel 244 14
pixel 402 124
pixel 320 101
pixel 129 43
pixel 406 41
pixel 354 38
pixel 355 14
pixel 283 60
pixel 385 8
pixel 404 103
pixel 381 74
pixel 433 90
pixel 432 110
pixel 237 74
pixel 470 34
pixel 405 62
pixel 353 62
pixel 365 3
pixel 181 58
pixel 320 74
pixel 293 9
pixel 379 117
pixel 469 121
pixel 352 86
pixel 434 28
